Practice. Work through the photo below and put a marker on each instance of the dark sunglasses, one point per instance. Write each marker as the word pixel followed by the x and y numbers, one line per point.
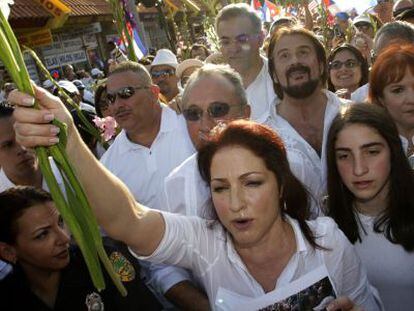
pixel 162 73
pixel 124 93
pixel 215 110
pixel 350 63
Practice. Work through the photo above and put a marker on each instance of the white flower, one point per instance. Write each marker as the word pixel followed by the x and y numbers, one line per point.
pixel 5 7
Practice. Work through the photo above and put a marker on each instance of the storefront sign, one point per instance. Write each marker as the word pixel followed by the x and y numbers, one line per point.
pixel 65 58
pixel 37 38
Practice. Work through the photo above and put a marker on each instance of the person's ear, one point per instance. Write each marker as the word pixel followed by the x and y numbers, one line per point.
pixel 246 112
pixel 8 253
pixel 155 89
pixel 262 37
pixel 381 102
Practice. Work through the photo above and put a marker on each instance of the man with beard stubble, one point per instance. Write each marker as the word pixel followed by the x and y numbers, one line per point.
pixel 297 65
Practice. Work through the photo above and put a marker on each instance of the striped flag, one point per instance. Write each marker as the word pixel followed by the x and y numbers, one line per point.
pixel 313 5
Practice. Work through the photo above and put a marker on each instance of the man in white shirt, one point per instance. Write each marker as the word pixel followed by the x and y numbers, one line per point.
pixel 213 94
pixel 153 141
pixel 298 66
pixel 241 36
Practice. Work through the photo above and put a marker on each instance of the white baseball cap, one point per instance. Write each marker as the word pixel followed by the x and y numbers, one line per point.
pixel 96 72
pixel 165 57
pixel 191 62
pixel 68 86
pixel 47 84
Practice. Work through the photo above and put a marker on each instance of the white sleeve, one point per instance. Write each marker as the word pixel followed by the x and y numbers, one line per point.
pixel 183 242
pixel 348 274
pixel 162 277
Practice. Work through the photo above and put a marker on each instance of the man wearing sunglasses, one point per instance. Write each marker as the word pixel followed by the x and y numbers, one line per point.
pixel 214 94
pixel 163 73
pixel 153 141
pixel 241 37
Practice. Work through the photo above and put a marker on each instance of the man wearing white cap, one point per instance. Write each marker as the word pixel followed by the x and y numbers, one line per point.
pixel 186 68
pixel 363 24
pixel 162 71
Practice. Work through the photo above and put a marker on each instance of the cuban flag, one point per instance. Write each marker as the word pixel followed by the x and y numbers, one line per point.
pixel 267 12
pixel 331 7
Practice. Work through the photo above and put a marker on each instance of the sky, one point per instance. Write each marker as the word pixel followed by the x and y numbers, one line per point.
pixel 360 5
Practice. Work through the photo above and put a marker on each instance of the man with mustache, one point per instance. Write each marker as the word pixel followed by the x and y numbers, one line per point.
pixel 213 95
pixel 153 141
pixel 241 37
pixel 297 64
pixel 163 73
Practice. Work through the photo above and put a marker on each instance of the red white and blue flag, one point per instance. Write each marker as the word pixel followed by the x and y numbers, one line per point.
pixel 267 12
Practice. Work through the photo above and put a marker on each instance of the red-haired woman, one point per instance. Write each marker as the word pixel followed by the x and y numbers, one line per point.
pixel 392 87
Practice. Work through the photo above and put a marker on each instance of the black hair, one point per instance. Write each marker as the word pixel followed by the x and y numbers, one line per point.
pixel 13 203
pixel 396 222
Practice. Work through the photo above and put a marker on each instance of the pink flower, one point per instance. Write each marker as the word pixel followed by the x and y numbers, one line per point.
pixel 107 126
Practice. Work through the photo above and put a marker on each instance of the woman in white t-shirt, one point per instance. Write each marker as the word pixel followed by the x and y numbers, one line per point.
pixel 371 197
pixel 261 241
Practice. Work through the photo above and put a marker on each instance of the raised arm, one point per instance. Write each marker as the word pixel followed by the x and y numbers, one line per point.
pixel 114 206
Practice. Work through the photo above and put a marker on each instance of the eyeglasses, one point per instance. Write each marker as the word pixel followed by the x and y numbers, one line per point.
pixel 239 40
pixel 124 93
pixel 363 26
pixel 350 63
pixel 215 110
pixel 162 73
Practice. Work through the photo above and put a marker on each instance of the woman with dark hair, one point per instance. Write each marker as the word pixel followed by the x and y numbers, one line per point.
pixel 392 87
pixel 48 273
pixel 371 197
pixel 348 70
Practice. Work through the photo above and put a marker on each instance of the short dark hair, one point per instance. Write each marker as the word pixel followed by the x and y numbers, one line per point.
pixel 397 221
pixel 267 145
pixel 360 58
pixel 320 53
pixel 139 69
pixel 198 46
pixel 13 203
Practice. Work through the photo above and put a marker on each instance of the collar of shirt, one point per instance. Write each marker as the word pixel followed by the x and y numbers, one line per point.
pixel 261 95
pixel 404 142
pixel 301 247
pixel 5 182
pixel 169 121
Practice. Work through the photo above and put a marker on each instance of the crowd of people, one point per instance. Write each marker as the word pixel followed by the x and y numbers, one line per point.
pixel 231 175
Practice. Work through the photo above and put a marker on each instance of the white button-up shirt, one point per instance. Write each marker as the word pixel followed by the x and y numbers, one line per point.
pixel 143 169
pixel 260 94
pixel 185 192
pixel 304 161
pixel 208 251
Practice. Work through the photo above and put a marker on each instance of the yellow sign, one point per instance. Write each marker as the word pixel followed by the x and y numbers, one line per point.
pixel 37 38
pixel 58 9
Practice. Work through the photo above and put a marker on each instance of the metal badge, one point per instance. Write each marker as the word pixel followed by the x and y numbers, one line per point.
pixel 94 302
